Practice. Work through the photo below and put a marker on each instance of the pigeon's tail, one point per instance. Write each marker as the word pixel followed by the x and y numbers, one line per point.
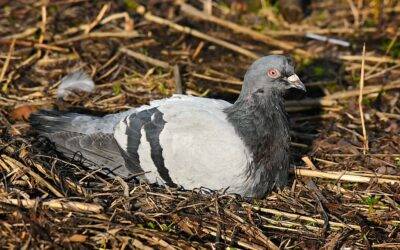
pixel 88 136
pixel 52 121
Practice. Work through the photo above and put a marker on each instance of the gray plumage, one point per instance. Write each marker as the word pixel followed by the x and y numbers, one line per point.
pixel 192 142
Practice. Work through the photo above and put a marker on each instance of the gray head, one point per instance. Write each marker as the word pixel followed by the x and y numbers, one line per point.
pixel 275 72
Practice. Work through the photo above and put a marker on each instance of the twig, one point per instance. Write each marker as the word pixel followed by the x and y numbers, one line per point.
pixel 189 10
pixel 25 33
pixel 67 180
pixel 355 13
pixel 145 58
pixel 373 175
pixel 322 201
pixel 178 80
pixel 392 43
pixel 122 34
pixel 301 217
pixel 252 230
pixel 207 7
pixel 342 176
pixel 289 226
pixel 360 99
pixel 387 245
pixel 353 132
pixel 98 18
pixel 388 115
pixel 57 205
pixel 367 90
pixel 125 15
pixel 43 24
pixel 128 24
pixel 309 163
pixel 383 59
pixel 380 72
pixel 6 63
pixel 152 18
pixel 243 244
pixel 327 31
pixel 357 155
pixel 198 50
pixel 40 180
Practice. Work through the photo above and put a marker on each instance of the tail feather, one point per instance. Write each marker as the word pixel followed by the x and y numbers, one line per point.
pixel 50 121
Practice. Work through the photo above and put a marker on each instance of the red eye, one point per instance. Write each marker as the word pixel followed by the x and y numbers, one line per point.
pixel 273 73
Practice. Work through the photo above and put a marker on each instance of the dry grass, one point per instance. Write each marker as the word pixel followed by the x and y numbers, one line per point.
pixel 340 196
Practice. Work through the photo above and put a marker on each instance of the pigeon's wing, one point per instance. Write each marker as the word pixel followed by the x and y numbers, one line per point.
pixel 99 149
pixel 82 136
pixel 185 141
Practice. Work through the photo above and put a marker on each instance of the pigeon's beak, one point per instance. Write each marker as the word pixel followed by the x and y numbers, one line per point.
pixel 295 82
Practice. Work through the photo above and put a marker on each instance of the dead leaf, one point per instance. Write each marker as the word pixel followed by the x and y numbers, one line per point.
pixel 77 238
pixel 114 231
pixel 22 113
pixel 386 170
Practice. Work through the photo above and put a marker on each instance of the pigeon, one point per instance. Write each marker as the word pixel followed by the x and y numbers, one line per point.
pixel 191 142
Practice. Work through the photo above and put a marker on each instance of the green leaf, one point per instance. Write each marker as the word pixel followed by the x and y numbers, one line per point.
pixel 131 4
pixel 151 225
pixel 117 88
pixel 319 71
pixel 397 161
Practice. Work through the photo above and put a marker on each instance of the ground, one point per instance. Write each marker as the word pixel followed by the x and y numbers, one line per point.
pixel 344 189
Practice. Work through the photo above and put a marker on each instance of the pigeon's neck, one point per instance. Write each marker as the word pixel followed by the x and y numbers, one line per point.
pixel 261 122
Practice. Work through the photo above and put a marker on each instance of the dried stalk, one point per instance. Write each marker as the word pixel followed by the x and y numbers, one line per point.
pixel 191 11
pixel 342 176
pixel 93 35
pixel 98 18
pixel 367 90
pixel 301 217
pixel 178 80
pixel 360 99
pixel 152 18
pixel 145 58
pixel 57 205
pixel 241 243
pixel 18 166
pixel 382 59
pixel 6 64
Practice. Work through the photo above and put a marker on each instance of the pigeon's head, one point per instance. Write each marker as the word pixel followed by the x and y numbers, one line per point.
pixel 271 73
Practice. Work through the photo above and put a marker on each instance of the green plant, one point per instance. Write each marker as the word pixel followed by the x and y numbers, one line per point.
pixel 131 4
pixel 371 201
pixel 397 162
pixel 151 225
pixel 366 102
pixel 391 47
pixel 319 71
pixel 116 89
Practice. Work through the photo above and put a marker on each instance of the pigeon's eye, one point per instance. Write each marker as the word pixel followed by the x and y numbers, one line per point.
pixel 273 73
